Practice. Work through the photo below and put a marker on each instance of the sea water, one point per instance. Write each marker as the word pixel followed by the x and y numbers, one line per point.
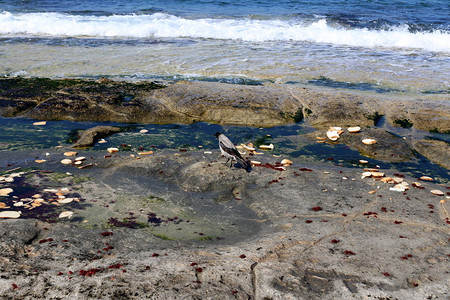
pixel 379 45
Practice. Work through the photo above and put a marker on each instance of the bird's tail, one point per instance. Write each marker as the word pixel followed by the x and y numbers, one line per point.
pixel 245 164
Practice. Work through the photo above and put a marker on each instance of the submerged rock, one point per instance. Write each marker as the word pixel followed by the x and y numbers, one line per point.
pixel 90 136
pixel 387 147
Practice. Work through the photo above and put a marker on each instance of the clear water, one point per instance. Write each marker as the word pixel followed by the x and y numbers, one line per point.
pixel 21 135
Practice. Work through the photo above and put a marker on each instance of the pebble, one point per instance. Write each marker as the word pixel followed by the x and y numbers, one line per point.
pixel 66 161
pixel 248 147
pixel 366 174
pixel 370 170
pixel 426 178
pixel 70 153
pixel 437 192
pixel 66 214
pixel 387 180
pixel 40 161
pixel 143 131
pixel 9 214
pixel 377 174
pixel 335 128
pixel 80 158
pixel 354 129
pixel 102 141
pixel 65 201
pixel 333 135
pixel 266 147
pixel 401 187
pixel 85 166
pixel 368 141
pixel 145 153
pixel 397 189
pixel 397 179
pixel 40 123
pixel 363 161
pixel 5 191
pixel 112 150
pixel 286 162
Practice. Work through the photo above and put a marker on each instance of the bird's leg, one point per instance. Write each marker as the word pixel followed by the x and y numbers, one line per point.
pixel 227 160
pixel 231 164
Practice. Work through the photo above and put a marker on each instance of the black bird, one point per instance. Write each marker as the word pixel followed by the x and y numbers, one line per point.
pixel 229 150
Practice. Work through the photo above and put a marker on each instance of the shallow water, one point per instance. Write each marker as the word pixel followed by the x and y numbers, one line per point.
pixel 387 46
pixel 232 62
pixel 20 134
pixel 123 198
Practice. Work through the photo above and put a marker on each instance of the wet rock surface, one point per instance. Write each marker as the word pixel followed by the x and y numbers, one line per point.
pixel 90 136
pixel 314 231
pixel 179 223
pixel 437 151
pixel 189 102
pixel 388 147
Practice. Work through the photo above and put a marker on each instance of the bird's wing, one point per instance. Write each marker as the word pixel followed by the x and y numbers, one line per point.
pixel 230 150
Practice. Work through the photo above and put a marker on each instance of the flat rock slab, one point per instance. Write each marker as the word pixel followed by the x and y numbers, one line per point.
pixel 190 102
pixel 437 151
pixel 325 233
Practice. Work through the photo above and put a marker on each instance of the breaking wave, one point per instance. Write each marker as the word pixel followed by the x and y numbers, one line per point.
pixel 161 25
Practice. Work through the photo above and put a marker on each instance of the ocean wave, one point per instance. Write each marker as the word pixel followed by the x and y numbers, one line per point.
pixel 161 25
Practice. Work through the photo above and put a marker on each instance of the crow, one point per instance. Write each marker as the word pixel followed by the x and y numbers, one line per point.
pixel 229 150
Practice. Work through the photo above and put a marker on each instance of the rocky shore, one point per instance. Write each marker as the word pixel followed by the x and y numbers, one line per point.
pixel 260 106
pixel 311 231
pixel 180 224
pixel 188 102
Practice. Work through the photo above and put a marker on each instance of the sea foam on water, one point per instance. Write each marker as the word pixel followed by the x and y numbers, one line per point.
pixel 162 25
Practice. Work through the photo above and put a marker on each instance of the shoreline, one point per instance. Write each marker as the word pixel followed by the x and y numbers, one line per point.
pixel 178 223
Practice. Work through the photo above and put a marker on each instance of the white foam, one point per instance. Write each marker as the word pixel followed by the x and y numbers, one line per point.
pixel 161 25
